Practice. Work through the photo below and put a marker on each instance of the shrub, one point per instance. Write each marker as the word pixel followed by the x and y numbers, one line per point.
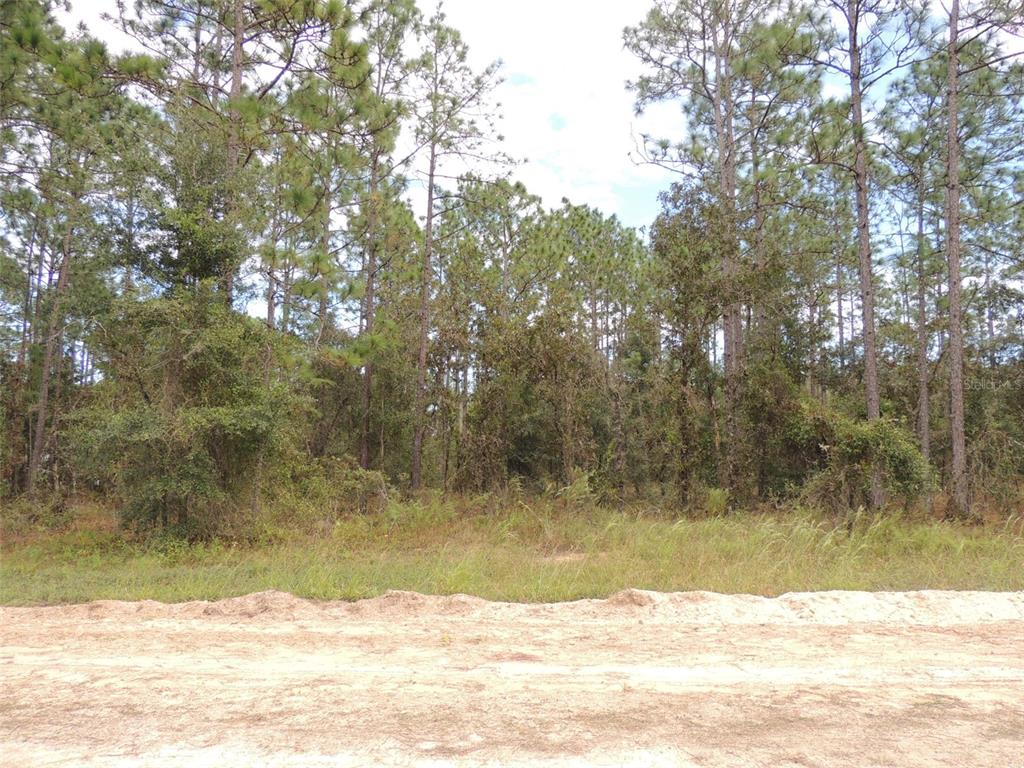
pixel 716 501
pixel 324 490
pixel 578 493
pixel 47 512
pixel 192 409
pixel 849 451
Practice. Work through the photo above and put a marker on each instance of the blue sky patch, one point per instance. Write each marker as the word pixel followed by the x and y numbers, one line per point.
pixel 556 121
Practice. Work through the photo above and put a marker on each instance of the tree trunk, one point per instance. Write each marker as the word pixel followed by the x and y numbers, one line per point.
pixel 271 297
pixel 44 280
pixel 923 400
pixel 128 283
pixel 53 334
pixel 419 416
pixel 369 311
pixel 26 315
pixel 840 291
pixel 724 109
pixel 463 398
pixel 234 130
pixel 323 308
pixel 961 500
pixel 990 326
pixel 867 290
pixel 621 436
pixel 760 254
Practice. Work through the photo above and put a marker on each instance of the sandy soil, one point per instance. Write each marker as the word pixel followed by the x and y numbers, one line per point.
pixel 642 679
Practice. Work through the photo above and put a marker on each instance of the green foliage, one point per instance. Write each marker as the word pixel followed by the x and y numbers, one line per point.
pixel 189 412
pixel 578 494
pixel 22 515
pixel 151 203
pixel 849 451
pixel 537 412
pixel 716 501
pixel 330 488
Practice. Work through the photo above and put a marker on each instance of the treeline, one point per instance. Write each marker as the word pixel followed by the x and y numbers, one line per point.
pixel 222 301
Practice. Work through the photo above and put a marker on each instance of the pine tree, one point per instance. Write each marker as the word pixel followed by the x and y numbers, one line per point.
pixel 453 120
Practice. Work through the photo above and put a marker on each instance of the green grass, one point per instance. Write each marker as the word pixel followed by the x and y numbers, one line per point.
pixel 523 554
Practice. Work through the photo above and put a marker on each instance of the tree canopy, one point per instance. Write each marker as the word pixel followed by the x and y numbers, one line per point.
pixel 217 293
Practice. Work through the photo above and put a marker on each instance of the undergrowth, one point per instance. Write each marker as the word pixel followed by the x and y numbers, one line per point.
pixel 545 549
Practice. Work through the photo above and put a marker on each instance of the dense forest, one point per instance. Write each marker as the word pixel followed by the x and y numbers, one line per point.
pixel 275 263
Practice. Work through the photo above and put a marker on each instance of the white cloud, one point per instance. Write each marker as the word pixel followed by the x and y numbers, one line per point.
pixel 565 104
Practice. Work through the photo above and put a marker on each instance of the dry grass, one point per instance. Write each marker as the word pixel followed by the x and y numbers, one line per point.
pixel 520 551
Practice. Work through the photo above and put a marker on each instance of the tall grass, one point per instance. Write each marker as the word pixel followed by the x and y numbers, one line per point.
pixel 522 551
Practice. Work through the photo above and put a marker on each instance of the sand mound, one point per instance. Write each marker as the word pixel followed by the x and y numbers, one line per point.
pixel 704 607
pixel 394 602
pixel 102 608
pixel 836 608
pixel 397 603
pixel 639 598
pixel 279 605
pixel 461 605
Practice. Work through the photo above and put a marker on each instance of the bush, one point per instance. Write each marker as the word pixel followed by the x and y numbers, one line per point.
pixel 848 453
pixel 194 405
pixel 578 493
pixel 324 490
pixel 716 501
pixel 50 512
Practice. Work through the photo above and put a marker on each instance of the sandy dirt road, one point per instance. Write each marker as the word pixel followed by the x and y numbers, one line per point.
pixel 642 679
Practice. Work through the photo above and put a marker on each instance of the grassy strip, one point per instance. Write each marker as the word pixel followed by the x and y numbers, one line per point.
pixel 523 554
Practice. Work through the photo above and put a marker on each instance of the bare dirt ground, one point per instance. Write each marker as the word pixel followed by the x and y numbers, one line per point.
pixel 642 679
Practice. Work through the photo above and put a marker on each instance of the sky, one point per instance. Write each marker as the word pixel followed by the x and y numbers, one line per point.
pixel 564 100
pixel 567 112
